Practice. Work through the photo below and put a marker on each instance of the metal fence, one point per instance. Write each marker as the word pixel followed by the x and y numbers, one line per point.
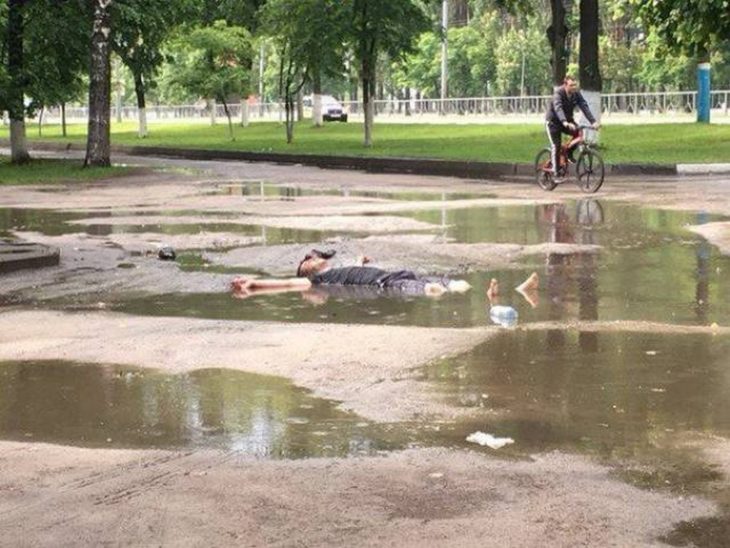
pixel 659 106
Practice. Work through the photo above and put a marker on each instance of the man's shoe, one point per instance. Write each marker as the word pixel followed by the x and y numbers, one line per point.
pixel 557 180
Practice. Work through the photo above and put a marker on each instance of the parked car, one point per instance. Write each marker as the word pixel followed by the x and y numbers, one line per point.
pixel 332 109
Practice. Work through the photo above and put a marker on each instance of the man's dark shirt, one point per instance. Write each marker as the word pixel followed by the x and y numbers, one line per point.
pixel 350 275
pixel 360 275
pixel 562 107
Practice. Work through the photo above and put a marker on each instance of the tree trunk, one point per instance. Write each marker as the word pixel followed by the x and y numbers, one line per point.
pixel 98 141
pixel 230 122
pixel 244 112
pixel 289 108
pixel 590 73
pixel 300 106
pixel 16 107
pixel 63 119
pixel 141 105
pixel 557 34
pixel 40 122
pixel 368 89
pixel 212 107
pixel 408 100
pixel 317 99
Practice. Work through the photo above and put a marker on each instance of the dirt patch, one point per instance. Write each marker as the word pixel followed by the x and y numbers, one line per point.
pixel 424 254
pixel 629 326
pixel 59 495
pixel 369 369
pixel 100 266
pixel 716 233
pixel 150 242
pixel 329 223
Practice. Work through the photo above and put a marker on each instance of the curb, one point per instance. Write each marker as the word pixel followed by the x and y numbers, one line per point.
pixel 377 164
pixel 20 255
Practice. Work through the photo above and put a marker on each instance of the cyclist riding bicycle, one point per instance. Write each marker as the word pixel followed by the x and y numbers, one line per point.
pixel 559 119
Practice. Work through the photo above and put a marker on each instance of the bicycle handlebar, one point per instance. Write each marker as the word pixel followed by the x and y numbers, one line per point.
pixel 583 126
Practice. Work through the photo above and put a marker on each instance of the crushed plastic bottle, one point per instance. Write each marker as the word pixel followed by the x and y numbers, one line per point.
pixel 506 316
pixel 489 440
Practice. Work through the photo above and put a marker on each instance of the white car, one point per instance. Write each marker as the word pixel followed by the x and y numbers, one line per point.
pixel 332 109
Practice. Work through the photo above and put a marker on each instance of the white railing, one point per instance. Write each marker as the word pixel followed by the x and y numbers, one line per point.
pixel 623 106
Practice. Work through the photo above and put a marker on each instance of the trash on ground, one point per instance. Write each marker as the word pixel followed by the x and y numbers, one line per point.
pixel 490 441
pixel 506 316
pixel 166 253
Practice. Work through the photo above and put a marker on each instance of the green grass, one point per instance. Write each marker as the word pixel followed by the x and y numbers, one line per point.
pixel 654 143
pixel 54 171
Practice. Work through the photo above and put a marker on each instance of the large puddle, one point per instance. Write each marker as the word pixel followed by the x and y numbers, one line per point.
pixel 650 268
pixel 114 406
pixel 632 400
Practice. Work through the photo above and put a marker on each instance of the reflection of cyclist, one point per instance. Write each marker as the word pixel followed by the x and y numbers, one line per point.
pixel 559 118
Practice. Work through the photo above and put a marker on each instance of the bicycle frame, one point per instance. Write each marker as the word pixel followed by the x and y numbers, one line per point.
pixel 576 141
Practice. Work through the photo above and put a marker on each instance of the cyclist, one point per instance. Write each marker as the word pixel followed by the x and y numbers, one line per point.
pixel 559 119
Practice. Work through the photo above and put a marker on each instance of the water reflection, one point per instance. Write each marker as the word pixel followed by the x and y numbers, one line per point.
pixel 263 190
pixel 617 396
pixel 649 268
pixel 114 406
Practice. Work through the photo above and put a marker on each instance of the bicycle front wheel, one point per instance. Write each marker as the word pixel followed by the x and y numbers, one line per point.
pixel 543 171
pixel 590 171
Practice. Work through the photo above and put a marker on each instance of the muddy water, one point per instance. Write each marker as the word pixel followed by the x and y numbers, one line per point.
pixel 650 268
pixel 631 400
pixel 114 406
pixel 640 403
pixel 615 395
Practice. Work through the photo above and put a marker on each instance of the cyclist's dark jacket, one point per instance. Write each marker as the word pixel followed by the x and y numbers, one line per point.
pixel 562 106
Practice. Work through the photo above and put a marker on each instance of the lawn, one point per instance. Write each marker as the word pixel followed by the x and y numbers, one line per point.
pixel 651 143
pixel 54 171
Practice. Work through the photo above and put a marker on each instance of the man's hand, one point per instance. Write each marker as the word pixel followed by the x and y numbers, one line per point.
pixel 596 125
pixel 569 126
pixel 241 284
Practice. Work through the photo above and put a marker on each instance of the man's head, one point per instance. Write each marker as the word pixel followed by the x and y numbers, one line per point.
pixel 313 263
pixel 570 84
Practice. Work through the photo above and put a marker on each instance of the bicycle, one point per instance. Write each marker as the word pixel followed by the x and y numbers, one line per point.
pixel 589 168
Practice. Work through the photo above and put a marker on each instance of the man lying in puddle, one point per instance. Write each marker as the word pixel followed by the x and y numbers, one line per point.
pixel 315 270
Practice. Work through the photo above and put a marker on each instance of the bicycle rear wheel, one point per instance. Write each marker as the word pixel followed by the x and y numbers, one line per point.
pixel 589 171
pixel 543 174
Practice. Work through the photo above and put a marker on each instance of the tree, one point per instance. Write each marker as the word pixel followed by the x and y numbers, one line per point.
pixel 140 28
pixel 523 47
pixel 309 37
pixel 98 139
pixel 216 63
pixel 16 81
pixel 558 36
pixel 694 27
pixel 382 26
pixel 55 74
pixel 589 67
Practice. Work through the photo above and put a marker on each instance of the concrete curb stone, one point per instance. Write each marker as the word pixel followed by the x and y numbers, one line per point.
pixel 424 166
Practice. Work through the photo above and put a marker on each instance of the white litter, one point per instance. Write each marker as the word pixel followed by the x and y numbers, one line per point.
pixel 490 441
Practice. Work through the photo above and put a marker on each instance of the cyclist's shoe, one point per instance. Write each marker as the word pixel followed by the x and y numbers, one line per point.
pixel 557 179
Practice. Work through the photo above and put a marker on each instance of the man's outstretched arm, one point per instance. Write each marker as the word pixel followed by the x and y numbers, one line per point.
pixel 243 283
